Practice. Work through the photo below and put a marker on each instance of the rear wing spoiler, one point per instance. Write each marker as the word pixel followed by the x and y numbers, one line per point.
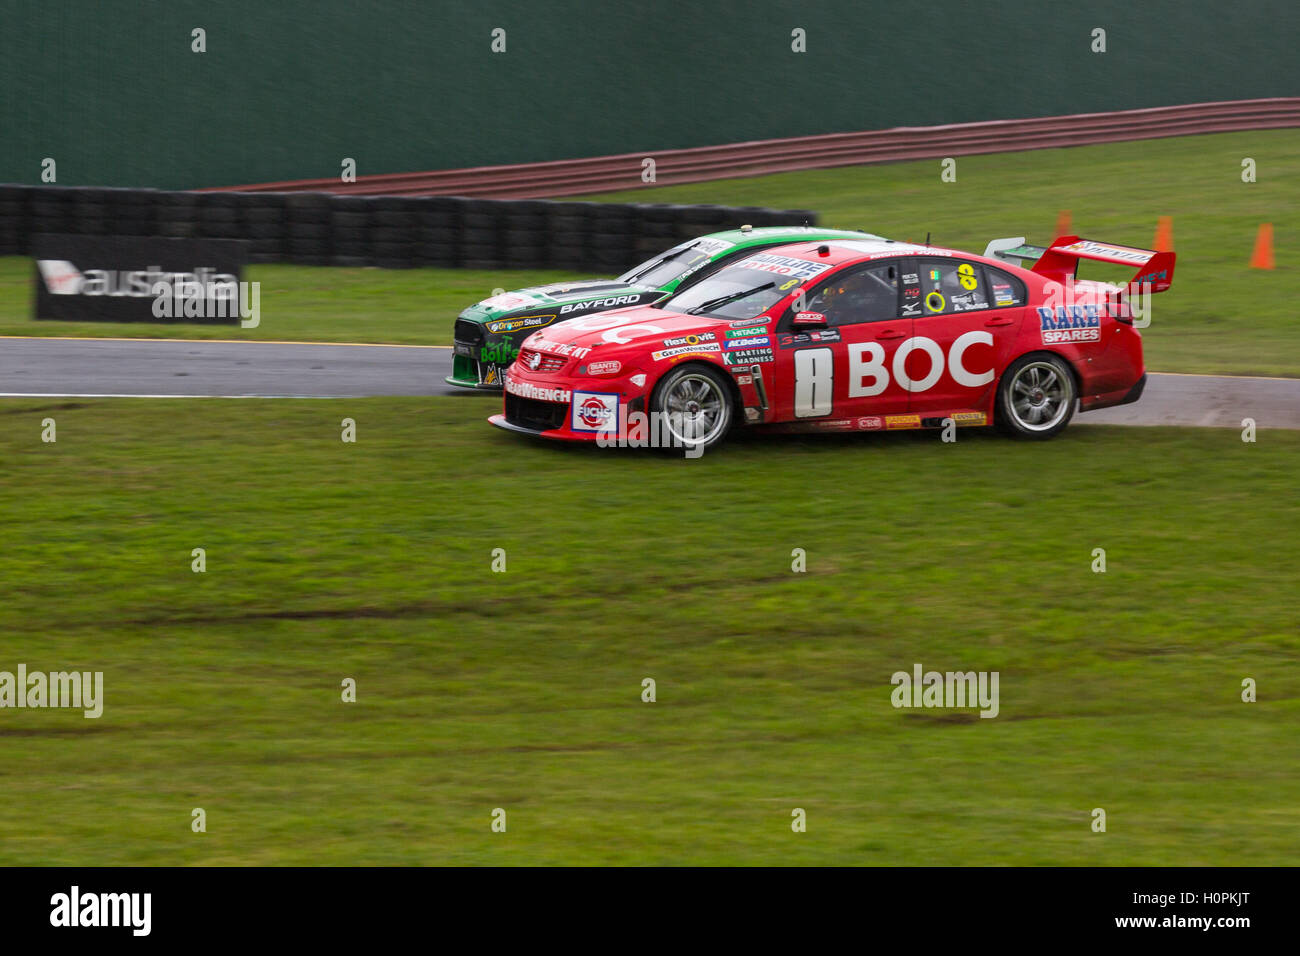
pixel 1060 260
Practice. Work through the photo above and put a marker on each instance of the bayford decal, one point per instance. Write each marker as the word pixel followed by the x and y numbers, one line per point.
pixel 536 392
pixel 1070 323
pixel 501 326
pixel 611 303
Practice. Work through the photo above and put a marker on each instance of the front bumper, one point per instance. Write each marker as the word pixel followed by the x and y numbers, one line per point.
pixel 561 407
pixel 468 372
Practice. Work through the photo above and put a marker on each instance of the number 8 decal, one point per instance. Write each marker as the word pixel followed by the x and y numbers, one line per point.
pixel 814 374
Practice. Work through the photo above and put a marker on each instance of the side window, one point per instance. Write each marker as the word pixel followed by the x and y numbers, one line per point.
pixel 950 285
pixel 1004 288
pixel 863 295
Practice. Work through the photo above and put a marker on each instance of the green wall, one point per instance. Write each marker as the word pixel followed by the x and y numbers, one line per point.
pixel 112 92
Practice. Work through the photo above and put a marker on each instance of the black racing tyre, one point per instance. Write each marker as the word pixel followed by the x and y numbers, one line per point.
pixel 1036 397
pixel 695 406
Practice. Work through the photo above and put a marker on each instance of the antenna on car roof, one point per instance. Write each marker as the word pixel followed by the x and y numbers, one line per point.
pixel 927 238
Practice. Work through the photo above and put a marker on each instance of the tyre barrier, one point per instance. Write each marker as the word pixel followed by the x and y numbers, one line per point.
pixel 393 232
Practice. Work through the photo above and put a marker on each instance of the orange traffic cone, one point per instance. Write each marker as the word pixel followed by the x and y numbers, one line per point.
pixel 1165 234
pixel 1063 223
pixel 1262 258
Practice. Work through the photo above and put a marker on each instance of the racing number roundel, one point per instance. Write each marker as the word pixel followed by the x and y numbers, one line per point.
pixel 966 276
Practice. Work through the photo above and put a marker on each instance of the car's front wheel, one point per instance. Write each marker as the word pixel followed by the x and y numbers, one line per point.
pixel 694 407
pixel 1036 397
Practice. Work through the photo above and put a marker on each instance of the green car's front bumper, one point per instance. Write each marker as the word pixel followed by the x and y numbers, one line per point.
pixel 465 373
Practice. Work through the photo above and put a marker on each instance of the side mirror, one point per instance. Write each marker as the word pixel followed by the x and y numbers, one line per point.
pixel 808 320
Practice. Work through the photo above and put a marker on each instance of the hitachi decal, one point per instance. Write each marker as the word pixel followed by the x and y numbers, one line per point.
pixel 610 303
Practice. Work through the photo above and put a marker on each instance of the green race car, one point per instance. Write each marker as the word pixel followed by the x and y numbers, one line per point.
pixel 488 334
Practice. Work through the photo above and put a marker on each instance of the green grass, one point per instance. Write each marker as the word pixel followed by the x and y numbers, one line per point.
pixel 301 303
pixel 1219 317
pixel 521 690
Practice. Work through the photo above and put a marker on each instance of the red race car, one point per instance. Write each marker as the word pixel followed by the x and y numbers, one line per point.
pixel 846 335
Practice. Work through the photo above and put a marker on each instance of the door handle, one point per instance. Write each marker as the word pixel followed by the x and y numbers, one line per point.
pixel 890 334
pixel 996 322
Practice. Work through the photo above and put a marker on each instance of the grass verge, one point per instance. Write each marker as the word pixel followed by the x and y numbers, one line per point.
pixel 522 690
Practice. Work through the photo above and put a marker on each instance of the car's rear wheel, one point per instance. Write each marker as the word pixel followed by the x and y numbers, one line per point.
pixel 695 407
pixel 1036 397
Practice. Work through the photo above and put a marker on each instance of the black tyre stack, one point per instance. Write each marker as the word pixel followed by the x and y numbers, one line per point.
pixel 133 212
pixel 570 244
pixel 481 234
pixel 437 230
pixel 393 232
pixel 178 215
pixel 654 230
pixel 525 234
pixel 50 212
pixel 308 228
pixel 265 219
pixel 351 220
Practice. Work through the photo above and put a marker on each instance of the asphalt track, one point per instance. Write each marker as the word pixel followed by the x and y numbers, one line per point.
pixel 92 368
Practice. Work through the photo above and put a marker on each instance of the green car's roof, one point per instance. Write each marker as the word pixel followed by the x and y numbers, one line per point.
pixel 765 234
pixel 628 289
